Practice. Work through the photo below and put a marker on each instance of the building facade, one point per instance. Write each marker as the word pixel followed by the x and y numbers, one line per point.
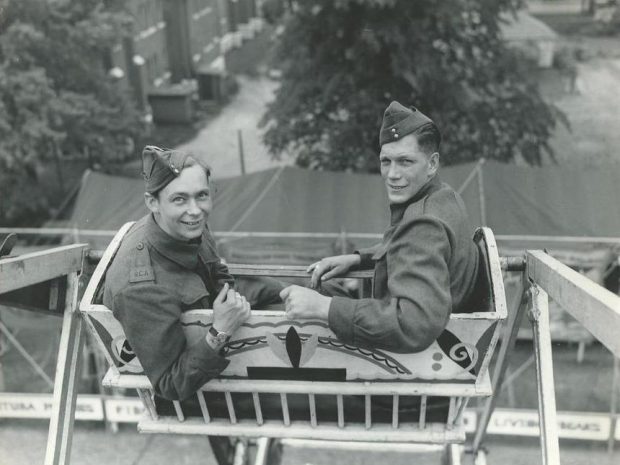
pixel 172 40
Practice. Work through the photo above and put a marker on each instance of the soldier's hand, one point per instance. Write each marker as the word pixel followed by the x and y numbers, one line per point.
pixel 230 310
pixel 331 267
pixel 301 302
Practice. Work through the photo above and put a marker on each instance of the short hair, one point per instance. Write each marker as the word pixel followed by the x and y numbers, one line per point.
pixel 429 138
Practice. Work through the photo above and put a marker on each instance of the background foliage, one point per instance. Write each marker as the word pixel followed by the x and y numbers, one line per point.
pixel 56 99
pixel 343 61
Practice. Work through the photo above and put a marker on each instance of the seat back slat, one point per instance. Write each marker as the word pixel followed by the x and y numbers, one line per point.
pixel 285 413
pixel 231 407
pixel 451 412
pixel 312 403
pixel 178 410
pixel 395 399
pixel 147 400
pixel 422 421
pixel 340 404
pixel 461 410
pixel 257 408
pixel 203 406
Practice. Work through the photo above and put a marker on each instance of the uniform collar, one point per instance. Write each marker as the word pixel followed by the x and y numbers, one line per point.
pixel 398 210
pixel 181 252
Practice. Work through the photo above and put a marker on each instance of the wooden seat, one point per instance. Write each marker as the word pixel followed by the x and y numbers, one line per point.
pixel 272 357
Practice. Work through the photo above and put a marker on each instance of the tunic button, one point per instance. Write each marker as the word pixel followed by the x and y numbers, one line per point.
pixel 395 136
pixel 140 246
pixel 393 129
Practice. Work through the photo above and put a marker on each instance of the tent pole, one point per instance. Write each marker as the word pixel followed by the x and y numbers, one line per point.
pixel 470 177
pixel 259 197
pixel 483 207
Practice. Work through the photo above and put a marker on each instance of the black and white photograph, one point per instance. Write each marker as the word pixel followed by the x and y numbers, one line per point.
pixel 309 232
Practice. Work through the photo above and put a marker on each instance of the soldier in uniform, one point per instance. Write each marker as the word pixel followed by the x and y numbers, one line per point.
pixel 425 267
pixel 168 264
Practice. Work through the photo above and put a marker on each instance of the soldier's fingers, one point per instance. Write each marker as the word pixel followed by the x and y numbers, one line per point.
pixel 312 267
pixel 330 274
pixel 316 276
pixel 222 294
pixel 333 272
pixel 231 297
pixel 284 293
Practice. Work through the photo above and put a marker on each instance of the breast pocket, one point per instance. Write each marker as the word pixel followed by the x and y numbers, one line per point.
pixel 194 294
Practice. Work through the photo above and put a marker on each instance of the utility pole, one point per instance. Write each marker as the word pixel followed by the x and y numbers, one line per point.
pixel 241 156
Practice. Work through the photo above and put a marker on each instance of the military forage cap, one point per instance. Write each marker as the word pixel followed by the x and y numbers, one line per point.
pixel 161 166
pixel 399 121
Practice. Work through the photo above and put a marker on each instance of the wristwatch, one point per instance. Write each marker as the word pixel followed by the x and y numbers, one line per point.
pixel 219 337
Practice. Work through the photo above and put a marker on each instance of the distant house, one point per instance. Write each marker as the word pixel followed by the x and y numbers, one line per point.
pixel 531 35
pixel 173 39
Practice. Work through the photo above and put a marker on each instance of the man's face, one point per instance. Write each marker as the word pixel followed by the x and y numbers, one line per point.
pixel 183 206
pixel 405 168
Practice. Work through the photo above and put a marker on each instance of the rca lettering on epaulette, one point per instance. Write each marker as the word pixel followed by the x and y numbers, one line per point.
pixel 141 273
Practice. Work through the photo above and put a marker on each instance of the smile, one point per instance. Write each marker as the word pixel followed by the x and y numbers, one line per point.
pixel 191 223
pixel 396 188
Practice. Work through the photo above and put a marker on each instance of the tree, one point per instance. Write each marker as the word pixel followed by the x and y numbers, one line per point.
pixel 56 99
pixel 343 61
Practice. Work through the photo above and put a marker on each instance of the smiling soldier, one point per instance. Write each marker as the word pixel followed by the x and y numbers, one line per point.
pixel 427 263
pixel 168 264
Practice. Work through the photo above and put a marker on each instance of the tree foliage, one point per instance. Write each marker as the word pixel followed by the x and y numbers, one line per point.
pixel 56 99
pixel 343 61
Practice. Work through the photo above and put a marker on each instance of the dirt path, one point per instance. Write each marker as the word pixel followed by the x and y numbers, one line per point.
pixel 218 143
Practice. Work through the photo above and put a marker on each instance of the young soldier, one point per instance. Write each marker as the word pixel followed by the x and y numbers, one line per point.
pixel 427 264
pixel 168 264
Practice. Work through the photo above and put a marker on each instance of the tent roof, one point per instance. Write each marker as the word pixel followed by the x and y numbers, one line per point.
pixel 516 200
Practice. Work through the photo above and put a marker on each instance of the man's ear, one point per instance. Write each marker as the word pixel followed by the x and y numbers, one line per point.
pixel 433 164
pixel 152 203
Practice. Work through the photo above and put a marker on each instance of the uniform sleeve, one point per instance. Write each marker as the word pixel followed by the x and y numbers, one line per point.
pixel 150 316
pixel 219 271
pixel 222 276
pixel 419 287
pixel 366 261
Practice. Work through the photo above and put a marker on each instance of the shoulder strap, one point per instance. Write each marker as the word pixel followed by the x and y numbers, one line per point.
pixel 141 269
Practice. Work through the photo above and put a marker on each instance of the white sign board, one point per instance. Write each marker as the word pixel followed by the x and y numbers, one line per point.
pixel 571 425
pixel 592 426
pixel 123 410
pixel 40 406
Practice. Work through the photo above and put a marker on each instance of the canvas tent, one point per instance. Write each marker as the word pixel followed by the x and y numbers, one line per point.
pixel 512 200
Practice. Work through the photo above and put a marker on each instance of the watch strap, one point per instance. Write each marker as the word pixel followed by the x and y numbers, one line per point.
pixel 219 335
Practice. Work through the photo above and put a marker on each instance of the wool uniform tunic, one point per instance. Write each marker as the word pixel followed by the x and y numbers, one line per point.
pixel 425 268
pixel 152 280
